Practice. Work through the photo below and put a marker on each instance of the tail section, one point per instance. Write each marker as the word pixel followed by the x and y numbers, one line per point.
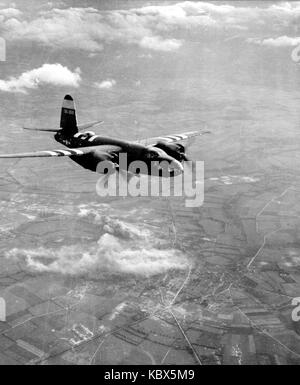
pixel 68 121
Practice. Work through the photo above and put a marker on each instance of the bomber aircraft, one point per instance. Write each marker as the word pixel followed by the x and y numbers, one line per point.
pixel 90 150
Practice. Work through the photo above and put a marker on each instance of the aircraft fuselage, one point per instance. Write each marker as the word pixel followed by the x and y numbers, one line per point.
pixel 134 152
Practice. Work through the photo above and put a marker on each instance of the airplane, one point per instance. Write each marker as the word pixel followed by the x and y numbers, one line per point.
pixel 88 149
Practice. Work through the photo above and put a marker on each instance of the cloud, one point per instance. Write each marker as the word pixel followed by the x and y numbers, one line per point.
pixel 53 74
pixel 121 248
pixel 281 41
pixel 10 13
pixel 158 44
pixel 110 255
pixel 106 84
pixel 7 14
pixel 89 29
pixel 86 29
pixel 154 27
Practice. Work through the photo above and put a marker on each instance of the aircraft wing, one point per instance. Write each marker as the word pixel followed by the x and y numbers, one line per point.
pixel 64 152
pixel 172 138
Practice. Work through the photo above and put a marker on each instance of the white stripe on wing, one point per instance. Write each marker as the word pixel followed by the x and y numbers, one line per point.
pixel 52 153
pixel 166 138
pixel 93 138
pixel 64 152
pixel 77 152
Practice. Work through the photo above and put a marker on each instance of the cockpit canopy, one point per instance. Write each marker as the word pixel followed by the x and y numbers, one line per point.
pixel 155 154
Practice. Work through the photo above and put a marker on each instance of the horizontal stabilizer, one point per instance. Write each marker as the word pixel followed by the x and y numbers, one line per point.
pixel 80 127
pixel 88 125
pixel 42 129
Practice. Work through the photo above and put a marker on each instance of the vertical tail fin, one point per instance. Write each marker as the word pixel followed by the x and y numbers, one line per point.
pixel 68 122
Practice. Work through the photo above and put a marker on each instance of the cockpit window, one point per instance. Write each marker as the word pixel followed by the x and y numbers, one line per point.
pixel 152 155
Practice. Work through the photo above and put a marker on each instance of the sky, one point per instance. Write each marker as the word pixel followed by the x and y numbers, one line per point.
pixel 150 68
pixel 145 66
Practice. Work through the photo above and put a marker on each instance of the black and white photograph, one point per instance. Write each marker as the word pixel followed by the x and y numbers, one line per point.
pixel 149 185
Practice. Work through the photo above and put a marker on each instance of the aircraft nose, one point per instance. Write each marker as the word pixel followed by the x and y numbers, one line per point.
pixel 176 165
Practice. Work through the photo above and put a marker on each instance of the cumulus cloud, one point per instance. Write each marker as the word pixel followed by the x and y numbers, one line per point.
pixel 85 28
pixel 10 13
pixel 121 248
pixel 89 28
pixel 53 74
pixel 106 84
pixel 281 41
pixel 149 27
pixel 109 255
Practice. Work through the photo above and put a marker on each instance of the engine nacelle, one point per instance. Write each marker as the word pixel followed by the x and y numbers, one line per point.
pixel 104 162
pixel 176 150
pixel 97 161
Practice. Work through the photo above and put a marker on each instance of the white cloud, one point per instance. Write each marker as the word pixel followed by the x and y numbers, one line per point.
pixel 204 14
pixel 10 12
pixel 7 14
pixel 89 29
pixel 281 41
pixel 149 27
pixel 54 74
pixel 121 248
pixel 106 84
pixel 68 28
pixel 158 44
